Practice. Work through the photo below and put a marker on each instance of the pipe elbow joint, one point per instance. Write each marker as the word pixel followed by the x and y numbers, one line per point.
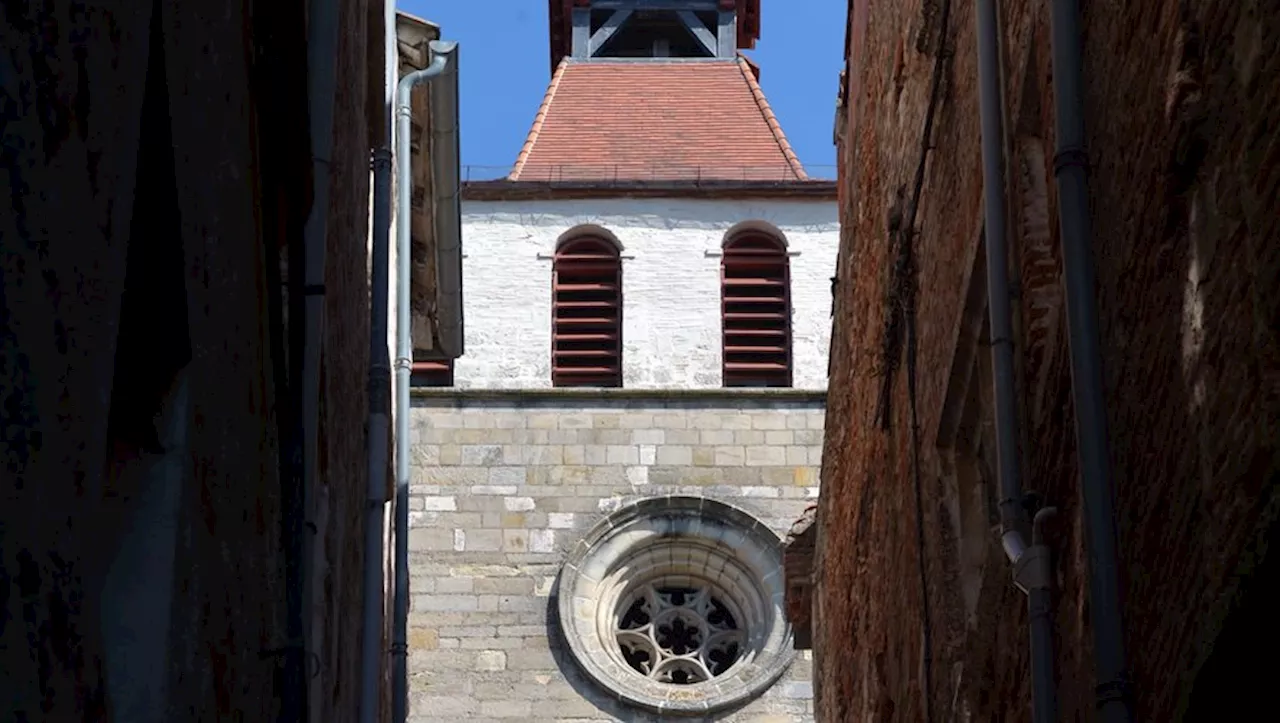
pixel 1032 566
pixel 1038 524
pixel 1034 570
pixel 1013 543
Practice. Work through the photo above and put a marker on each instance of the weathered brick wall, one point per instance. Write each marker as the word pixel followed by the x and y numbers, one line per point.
pixel 342 490
pixel 504 484
pixel 1176 105
pixel 212 166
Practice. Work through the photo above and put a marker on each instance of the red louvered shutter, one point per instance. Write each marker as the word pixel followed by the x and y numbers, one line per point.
pixel 586 315
pixel 755 284
pixel 434 373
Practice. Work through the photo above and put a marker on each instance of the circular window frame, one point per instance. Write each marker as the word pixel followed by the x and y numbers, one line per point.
pixel 601 569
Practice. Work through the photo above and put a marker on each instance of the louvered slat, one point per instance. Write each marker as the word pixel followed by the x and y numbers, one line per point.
pixel 434 373
pixel 586 312
pixel 756 312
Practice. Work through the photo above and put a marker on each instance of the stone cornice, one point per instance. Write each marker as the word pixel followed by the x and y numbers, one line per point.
pixel 562 394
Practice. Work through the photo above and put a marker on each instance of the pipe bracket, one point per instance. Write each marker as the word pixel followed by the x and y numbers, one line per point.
pixel 1117 689
pixel 1070 156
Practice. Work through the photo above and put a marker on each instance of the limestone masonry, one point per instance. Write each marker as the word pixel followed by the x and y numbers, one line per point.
pixel 505 482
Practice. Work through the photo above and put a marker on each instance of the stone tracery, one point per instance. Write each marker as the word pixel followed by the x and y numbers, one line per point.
pixel 679 635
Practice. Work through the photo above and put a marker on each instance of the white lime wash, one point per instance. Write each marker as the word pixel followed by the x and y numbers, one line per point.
pixel 671 285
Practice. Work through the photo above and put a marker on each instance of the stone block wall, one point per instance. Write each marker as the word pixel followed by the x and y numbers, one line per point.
pixel 505 483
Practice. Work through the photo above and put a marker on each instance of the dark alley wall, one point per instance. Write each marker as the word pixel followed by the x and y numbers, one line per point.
pixel 1181 104
pixel 156 158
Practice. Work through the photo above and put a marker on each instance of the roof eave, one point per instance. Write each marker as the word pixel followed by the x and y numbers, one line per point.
pixel 503 190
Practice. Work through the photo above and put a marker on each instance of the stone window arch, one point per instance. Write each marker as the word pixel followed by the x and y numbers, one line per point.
pixel 676 605
pixel 586 310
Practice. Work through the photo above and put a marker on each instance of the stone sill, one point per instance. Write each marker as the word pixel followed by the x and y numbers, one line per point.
pixel 561 394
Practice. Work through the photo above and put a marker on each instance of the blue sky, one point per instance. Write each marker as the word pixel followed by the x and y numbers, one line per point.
pixel 505 67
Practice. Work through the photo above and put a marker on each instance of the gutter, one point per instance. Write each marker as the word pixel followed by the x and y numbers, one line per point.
pixel 1069 169
pixel 1032 570
pixel 444 65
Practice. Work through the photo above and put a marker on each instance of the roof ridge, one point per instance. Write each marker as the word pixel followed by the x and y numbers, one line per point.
pixel 770 119
pixel 538 119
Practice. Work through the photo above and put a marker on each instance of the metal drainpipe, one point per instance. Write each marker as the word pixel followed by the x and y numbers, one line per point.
pixel 1069 164
pixel 378 436
pixel 442 53
pixel 1032 571
pixel 377 440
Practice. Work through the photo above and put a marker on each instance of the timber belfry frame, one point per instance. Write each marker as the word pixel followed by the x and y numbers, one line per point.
pixel 720 41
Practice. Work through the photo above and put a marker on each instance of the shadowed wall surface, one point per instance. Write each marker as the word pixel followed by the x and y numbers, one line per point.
pixel 156 159
pixel 1178 100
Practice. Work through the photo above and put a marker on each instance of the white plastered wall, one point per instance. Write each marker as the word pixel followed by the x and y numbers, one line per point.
pixel 671 285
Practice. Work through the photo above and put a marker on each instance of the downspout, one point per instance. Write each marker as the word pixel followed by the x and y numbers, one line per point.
pixel 322 45
pixel 377 439
pixel 1032 571
pixel 1069 163
pixel 442 53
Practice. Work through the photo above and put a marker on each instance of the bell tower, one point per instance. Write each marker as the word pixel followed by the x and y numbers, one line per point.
pixel 639 29
pixel 648 29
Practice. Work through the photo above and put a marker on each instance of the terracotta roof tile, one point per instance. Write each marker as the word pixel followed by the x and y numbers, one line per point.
pixel 655 120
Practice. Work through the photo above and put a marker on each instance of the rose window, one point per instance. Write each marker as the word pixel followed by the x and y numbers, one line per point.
pixel 675 605
pixel 679 635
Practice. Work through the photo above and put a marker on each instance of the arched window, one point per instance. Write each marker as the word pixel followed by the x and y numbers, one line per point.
pixel 755 296
pixel 586 314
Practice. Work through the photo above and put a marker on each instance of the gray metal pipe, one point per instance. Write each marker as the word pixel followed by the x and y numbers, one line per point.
pixel 1031 566
pixel 441 52
pixel 1044 703
pixel 378 442
pixel 379 430
pixel 991 104
pixel 1069 164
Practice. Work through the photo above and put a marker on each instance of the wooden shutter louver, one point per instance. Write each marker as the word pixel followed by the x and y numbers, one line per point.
pixel 586 315
pixel 755 294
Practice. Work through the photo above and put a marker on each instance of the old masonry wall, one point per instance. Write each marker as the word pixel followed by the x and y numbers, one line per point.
pixel 505 483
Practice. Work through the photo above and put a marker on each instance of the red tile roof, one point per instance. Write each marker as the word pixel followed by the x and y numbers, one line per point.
pixel 655 120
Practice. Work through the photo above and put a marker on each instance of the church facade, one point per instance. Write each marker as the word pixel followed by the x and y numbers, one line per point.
pixel 602 482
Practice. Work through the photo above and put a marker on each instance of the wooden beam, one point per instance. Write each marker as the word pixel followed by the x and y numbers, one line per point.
pixel 727 34
pixel 606 31
pixel 699 30
pixel 581 32
pixel 654 4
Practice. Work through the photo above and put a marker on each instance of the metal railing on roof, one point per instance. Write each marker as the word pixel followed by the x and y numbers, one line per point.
pixel 602 173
